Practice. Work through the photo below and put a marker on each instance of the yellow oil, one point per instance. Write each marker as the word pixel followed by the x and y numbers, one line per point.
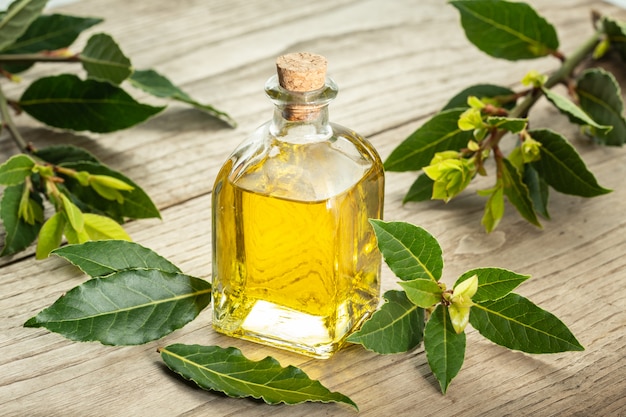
pixel 296 263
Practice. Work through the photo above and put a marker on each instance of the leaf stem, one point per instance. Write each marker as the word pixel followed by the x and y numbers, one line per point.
pixel 8 122
pixel 39 57
pixel 560 75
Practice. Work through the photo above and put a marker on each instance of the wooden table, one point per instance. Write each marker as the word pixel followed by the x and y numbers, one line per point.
pixel 396 64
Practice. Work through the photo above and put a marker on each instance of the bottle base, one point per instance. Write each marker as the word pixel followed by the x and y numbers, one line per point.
pixel 298 332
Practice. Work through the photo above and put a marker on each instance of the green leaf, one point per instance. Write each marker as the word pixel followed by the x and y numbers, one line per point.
pixel 410 251
pixel 494 209
pixel 445 349
pixel 74 236
pixel 137 204
pixel 67 102
pixel 15 170
pixel 17 18
pixel 493 283
pixel 103 228
pixel 74 215
pixel 59 154
pixel 50 235
pixel 19 234
pixel 600 96
pixel 396 327
pixel 440 133
pixel 420 190
pixel 48 33
pixel 422 292
pixel 156 84
pixel 562 168
pixel 501 96
pixel 506 30
pixel 103 59
pixel 574 113
pixel 516 323
pixel 537 189
pixel 227 370
pixel 510 124
pixel 103 258
pixel 126 308
pixel 616 32
pixel 517 193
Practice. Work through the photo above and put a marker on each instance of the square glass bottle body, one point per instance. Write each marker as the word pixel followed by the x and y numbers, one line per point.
pixel 295 260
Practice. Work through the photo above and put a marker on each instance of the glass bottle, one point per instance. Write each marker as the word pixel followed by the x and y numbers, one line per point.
pixel 295 260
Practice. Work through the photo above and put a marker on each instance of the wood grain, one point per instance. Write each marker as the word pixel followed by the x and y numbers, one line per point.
pixel 396 64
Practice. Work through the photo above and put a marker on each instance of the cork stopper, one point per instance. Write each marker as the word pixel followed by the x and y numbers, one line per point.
pixel 301 71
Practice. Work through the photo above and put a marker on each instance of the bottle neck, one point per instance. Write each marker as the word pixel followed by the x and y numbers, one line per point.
pixel 300 116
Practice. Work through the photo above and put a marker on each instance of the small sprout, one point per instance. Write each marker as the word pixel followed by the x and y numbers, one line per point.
pixel 475 103
pixel 28 209
pixel 531 151
pixel 460 303
pixel 473 146
pixel 451 174
pixel 471 119
pixel 109 187
pixel 601 48
pixel 534 78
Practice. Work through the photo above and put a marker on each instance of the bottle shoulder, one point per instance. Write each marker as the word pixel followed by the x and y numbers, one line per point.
pixel 303 169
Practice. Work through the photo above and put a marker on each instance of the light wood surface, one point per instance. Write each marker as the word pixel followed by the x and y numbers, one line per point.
pixel 396 63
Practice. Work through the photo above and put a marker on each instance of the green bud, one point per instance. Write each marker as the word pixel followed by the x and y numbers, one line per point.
pixel 459 316
pixel 601 48
pixel 108 193
pixel 461 301
pixel 534 78
pixel 29 210
pixel 109 187
pixel 479 134
pixel 473 146
pixel 110 182
pixel 530 150
pixel 475 103
pixel 464 291
pixel 43 170
pixel 471 119
pixel 451 174
pixel 83 178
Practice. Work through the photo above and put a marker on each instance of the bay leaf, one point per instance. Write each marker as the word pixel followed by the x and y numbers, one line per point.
pixel 128 307
pixel 445 349
pixel 59 154
pixel 507 30
pixel 158 85
pixel 15 170
pixel 420 190
pixel 562 167
pixel 227 370
pixel 410 251
pixel 517 323
pixel 103 59
pixel 106 257
pixel 493 283
pixel 67 102
pixel 422 292
pixel 600 96
pixel 396 327
pixel 517 192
